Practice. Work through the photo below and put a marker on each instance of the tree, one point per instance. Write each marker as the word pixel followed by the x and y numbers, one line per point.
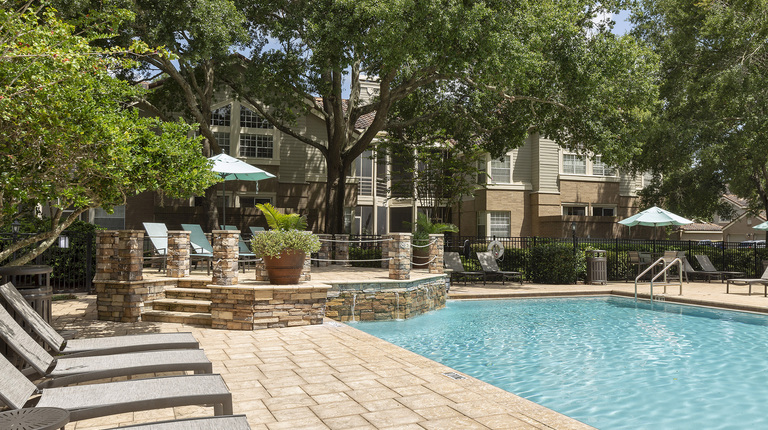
pixel 68 138
pixel 711 133
pixel 482 72
pixel 202 35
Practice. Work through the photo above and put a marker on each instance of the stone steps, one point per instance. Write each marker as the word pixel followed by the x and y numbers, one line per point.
pixel 188 304
pixel 188 293
pixel 197 318
pixel 182 305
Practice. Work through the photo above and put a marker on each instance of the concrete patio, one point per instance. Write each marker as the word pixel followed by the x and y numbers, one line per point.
pixel 333 376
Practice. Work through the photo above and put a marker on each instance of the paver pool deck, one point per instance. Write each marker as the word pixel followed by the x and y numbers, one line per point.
pixel 333 376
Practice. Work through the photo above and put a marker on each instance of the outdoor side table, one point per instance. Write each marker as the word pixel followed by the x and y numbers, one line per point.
pixel 34 419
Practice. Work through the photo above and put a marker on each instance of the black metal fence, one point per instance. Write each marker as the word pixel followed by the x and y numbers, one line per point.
pixel 72 257
pixel 732 256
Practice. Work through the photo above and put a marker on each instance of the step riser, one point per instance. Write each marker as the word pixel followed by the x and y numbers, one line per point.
pixel 172 307
pixel 204 320
pixel 187 296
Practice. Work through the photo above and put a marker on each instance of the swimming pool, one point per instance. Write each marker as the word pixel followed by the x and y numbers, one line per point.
pixel 610 362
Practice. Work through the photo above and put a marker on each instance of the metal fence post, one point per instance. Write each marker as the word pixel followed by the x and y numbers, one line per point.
pixel 89 238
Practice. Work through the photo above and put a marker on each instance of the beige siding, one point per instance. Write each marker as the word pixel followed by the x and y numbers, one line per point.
pixel 547 161
pixel 293 156
pixel 522 166
pixel 315 165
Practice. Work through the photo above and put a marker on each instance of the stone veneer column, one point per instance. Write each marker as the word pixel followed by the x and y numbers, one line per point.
pixel 177 265
pixel 258 266
pixel 106 255
pixel 121 297
pixel 225 255
pixel 436 246
pixel 129 251
pixel 306 271
pixel 324 254
pixel 342 249
pixel 400 256
pixel 385 251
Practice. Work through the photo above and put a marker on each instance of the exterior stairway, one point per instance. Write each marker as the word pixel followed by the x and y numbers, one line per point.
pixel 188 304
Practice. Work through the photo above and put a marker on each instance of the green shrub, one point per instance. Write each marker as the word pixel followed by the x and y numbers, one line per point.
pixel 365 254
pixel 556 264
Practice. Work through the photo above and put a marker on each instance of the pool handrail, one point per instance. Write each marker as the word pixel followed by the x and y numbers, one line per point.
pixel 662 261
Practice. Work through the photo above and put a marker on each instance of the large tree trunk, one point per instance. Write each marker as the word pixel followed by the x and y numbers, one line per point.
pixel 334 189
pixel 211 210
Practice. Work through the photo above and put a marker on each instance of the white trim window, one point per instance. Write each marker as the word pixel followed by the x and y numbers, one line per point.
pixel 601 169
pixel 256 146
pixel 603 211
pixel 501 170
pixel 222 116
pixel 111 221
pixel 499 224
pixel 246 201
pixel 575 209
pixel 574 164
pixel 222 138
pixel 251 119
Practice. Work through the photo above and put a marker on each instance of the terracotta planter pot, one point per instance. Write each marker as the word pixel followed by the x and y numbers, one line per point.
pixel 286 269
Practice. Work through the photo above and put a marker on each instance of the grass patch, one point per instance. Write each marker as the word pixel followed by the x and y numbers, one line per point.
pixel 63 297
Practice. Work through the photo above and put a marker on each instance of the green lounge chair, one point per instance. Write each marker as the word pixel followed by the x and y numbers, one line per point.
pixel 201 247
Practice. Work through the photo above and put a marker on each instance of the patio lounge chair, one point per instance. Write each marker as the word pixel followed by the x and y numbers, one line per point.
pixel 224 422
pixel 201 247
pixel 743 281
pixel 691 273
pixel 453 263
pixel 157 233
pixel 707 266
pixel 488 263
pixel 91 346
pixel 72 370
pixel 97 400
pixel 255 230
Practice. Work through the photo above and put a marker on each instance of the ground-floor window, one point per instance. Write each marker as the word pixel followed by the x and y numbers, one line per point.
pixel 575 210
pixel 110 221
pixel 603 211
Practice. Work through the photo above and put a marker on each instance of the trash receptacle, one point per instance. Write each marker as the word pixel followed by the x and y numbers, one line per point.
pixel 597 267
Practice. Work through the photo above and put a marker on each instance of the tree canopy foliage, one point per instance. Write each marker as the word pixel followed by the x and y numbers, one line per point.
pixel 482 73
pixel 711 134
pixel 68 137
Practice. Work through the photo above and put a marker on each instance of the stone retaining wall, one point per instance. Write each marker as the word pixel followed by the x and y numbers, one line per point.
pixel 254 307
pixel 123 301
pixel 385 301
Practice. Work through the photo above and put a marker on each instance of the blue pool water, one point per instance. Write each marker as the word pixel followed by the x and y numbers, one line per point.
pixel 609 362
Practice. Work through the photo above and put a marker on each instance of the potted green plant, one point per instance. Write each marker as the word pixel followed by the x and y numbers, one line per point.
pixel 425 227
pixel 285 246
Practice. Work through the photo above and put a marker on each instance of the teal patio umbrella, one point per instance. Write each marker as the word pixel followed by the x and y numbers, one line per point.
pixel 655 217
pixel 763 226
pixel 232 169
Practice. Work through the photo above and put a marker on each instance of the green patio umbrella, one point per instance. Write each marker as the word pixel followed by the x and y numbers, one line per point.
pixel 655 217
pixel 763 226
pixel 232 169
